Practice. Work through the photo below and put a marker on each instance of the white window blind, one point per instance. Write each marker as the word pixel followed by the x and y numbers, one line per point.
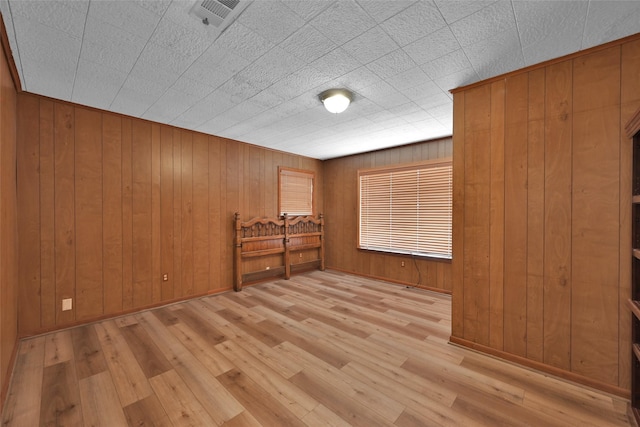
pixel 407 209
pixel 296 192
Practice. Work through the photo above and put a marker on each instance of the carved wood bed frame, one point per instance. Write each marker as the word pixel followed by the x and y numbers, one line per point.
pixel 261 237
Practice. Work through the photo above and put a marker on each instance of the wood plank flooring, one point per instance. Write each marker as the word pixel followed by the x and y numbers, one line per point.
pixel 322 349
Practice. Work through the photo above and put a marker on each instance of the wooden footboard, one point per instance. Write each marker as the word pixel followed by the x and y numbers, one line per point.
pixel 275 240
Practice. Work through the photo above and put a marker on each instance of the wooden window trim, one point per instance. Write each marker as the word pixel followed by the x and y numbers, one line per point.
pixel 299 173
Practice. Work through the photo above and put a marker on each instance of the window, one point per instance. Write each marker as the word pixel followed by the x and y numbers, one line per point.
pixel 295 193
pixel 407 209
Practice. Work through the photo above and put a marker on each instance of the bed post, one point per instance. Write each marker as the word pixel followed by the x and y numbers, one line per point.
pixel 237 258
pixel 287 258
pixel 321 242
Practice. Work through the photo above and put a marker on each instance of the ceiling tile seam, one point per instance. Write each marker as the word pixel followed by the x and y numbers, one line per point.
pixel 392 16
pixel 584 28
pixel 515 19
pixel 17 48
pixel 320 12
pixel 448 25
pixel 84 29
pixel 138 58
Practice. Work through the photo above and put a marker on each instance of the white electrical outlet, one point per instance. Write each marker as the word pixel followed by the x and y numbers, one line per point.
pixel 67 304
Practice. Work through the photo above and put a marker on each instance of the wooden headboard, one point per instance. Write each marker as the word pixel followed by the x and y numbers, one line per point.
pixel 276 238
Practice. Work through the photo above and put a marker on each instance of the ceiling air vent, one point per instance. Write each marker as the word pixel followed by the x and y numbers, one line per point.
pixel 219 13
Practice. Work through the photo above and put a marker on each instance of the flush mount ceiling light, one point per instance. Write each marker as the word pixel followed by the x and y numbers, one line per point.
pixel 336 100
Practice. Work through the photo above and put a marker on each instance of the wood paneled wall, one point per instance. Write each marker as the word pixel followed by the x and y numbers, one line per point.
pixel 341 208
pixel 542 198
pixel 8 230
pixel 108 204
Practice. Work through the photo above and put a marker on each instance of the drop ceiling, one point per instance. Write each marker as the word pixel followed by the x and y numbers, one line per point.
pixel 258 80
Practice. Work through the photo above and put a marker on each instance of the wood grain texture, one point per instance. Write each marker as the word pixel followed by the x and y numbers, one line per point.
pixel 89 213
pixel 596 163
pixel 477 166
pixel 341 207
pixel 386 376
pixel 566 167
pixel 515 215
pixel 114 203
pixel 557 221
pixel 496 222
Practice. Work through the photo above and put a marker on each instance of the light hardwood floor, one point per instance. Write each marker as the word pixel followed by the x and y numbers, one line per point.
pixel 323 349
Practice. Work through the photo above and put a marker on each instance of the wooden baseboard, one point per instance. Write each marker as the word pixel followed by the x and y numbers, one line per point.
pixel 119 314
pixel 542 367
pixel 396 282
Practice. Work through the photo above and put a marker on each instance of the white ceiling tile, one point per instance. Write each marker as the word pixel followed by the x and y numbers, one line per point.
pixel 184 40
pixel 306 9
pixel 485 23
pixel 356 79
pixel 50 79
pixel 243 42
pixel 308 44
pixel 423 90
pixel 215 71
pixel 96 85
pixel 433 100
pixel 158 7
pixel 496 55
pixel 270 68
pixel 194 88
pixel 370 45
pixel 381 10
pixel 285 21
pixel 453 11
pixel 465 77
pixel 549 29
pixel 168 107
pixel 433 46
pixel 126 15
pixel 111 47
pixel 408 79
pixel 66 16
pixel 415 22
pixel 302 80
pixel 609 20
pixel 343 21
pixel 335 64
pixel 384 95
pixel 392 64
pixel 446 65
pixel 158 57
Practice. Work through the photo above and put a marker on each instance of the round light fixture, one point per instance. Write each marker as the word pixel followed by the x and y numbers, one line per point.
pixel 336 100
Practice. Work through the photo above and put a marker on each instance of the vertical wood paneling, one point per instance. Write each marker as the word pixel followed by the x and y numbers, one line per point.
pixel 215 208
pixel 201 223
pixel 596 162
pixel 65 230
pixel 28 153
pixel 141 212
pixel 187 214
pixel 566 213
pixel 177 213
pixel 557 219
pixel 88 220
pixel 166 211
pixel 112 212
pixel 515 150
pixel 477 165
pixel 496 221
pixel 113 203
pixel 47 218
pixel 457 262
pixel 127 216
pixel 156 239
pixel 535 218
